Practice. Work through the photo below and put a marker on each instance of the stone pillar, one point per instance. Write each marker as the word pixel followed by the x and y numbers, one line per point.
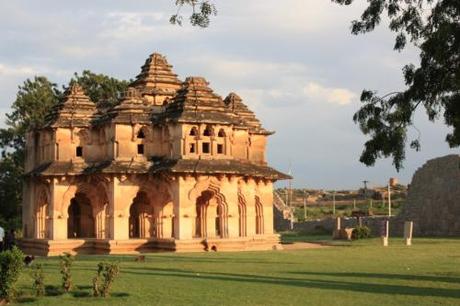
pixel 229 189
pixel 268 208
pixel 61 194
pixel 183 210
pixel 123 195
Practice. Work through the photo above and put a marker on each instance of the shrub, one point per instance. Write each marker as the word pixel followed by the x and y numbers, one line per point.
pixel 361 232
pixel 66 263
pixel 108 272
pixel 11 264
pixel 39 279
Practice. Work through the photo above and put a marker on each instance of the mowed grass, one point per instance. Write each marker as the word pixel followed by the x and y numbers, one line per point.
pixel 358 273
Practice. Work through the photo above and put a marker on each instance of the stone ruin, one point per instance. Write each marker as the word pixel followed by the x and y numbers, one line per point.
pixel 433 201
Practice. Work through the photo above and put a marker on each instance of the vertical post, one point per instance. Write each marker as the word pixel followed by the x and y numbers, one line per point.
pixel 305 205
pixel 370 203
pixel 385 230
pixel 354 204
pixel 408 228
pixel 389 200
pixel 333 203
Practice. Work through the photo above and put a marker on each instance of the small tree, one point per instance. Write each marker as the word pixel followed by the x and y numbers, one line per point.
pixel 11 263
pixel 66 263
pixel 108 272
pixel 361 232
pixel 39 279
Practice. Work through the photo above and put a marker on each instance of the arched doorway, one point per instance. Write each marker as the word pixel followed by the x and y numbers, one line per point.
pixel 80 223
pixel 259 217
pixel 41 216
pixel 210 209
pixel 241 219
pixel 140 216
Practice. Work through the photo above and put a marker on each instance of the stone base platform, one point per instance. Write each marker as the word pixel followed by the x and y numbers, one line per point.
pixel 44 247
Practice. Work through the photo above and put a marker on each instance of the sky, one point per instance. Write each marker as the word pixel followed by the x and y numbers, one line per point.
pixel 293 62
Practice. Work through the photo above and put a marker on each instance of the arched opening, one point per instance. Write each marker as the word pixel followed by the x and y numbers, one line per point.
pixel 80 223
pixel 211 216
pixel 259 217
pixel 140 215
pixel 41 217
pixel 141 134
pixel 241 218
pixel 207 131
pixel 219 221
pixel 221 133
pixel 193 132
pixel 201 213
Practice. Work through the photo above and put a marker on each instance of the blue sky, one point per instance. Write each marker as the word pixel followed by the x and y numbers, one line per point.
pixel 294 62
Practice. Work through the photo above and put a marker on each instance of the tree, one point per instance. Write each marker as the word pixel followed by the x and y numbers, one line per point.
pixel 202 10
pixel 434 27
pixel 33 101
pixel 100 88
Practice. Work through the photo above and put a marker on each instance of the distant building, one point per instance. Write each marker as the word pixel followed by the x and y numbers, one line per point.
pixel 173 166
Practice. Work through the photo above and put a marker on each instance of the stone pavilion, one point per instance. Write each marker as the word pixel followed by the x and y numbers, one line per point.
pixel 172 167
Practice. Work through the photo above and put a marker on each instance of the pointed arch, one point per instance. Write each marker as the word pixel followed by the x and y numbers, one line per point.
pixel 242 220
pixel 211 214
pixel 41 213
pixel 140 217
pixel 259 217
pixel 208 131
pixel 90 200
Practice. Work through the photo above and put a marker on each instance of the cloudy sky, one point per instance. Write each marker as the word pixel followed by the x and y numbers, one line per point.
pixel 293 62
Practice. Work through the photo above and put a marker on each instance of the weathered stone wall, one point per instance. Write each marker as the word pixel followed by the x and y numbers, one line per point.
pixel 433 201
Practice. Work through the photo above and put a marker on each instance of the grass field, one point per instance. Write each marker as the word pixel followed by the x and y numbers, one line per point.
pixel 357 273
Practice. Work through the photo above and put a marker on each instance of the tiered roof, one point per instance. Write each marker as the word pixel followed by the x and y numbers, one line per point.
pixel 157 77
pixel 132 109
pixel 75 109
pixel 196 102
pixel 245 116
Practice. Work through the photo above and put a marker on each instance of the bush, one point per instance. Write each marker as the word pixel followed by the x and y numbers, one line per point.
pixel 39 279
pixel 108 272
pixel 66 263
pixel 11 264
pixel 361 232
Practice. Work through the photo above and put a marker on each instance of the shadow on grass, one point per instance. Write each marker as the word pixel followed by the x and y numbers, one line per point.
pixel 212 259
pixel 53 291
pixel 84 287
pixel 25 300
pixel 119 294
pixel 360 287
pixel 444 279
pixel 80 294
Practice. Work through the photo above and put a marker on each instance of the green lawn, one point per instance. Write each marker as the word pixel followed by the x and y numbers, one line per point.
pixel 358 273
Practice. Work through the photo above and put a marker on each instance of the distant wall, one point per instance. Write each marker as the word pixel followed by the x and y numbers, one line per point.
pixel 433 201
pixel 328 225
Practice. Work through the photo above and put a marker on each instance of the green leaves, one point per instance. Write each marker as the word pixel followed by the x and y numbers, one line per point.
pixel 105 91
pixel 202 11
pixel 434 27
pixel 10 268
pixel 34 100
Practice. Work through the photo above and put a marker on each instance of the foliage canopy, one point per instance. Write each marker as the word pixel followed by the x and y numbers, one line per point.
pixel 434 27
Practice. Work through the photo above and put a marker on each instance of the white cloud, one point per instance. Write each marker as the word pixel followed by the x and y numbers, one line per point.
pixel 9 70
pixel 339 96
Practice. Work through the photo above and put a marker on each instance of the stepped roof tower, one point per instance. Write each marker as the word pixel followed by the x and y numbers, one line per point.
pixel 157 80
pixel 245 116
pixel 75 109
